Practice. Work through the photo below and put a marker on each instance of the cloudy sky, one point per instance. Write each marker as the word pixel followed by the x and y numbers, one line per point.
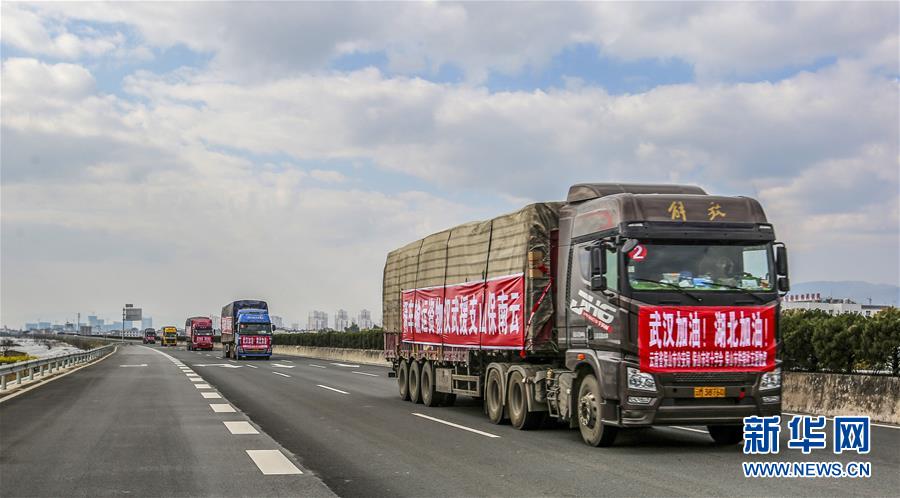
pixel 177 156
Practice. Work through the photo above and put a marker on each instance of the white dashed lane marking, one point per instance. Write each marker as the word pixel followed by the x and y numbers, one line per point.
pixel 198 379
pixel 222 408
pixel 240 428
pixel 451 424
pixel 202 386
pixel 332 389
pixel 317 366
pixel 211 395
pixel 272 462
pixel 364 373
pixel 252 366
pixel 281 374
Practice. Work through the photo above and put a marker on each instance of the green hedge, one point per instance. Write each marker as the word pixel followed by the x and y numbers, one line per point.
pixel 814 341
pixel 366 339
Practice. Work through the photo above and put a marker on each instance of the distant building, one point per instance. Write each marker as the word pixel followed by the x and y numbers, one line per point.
pixel 146 322
pixel 364 319
pixel 277 321
pixel 318 320
pixel 829 305
pixel 341 320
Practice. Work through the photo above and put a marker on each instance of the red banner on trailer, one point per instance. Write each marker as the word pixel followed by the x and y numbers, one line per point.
pixel 483 314
pixel 706 338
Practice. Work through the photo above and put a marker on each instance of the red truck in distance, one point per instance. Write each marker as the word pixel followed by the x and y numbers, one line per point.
pixel 199 333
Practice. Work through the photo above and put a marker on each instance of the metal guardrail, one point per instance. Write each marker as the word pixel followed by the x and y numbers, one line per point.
pixel 45 366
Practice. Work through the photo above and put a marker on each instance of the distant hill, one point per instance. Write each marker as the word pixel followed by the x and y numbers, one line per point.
pixel 859 292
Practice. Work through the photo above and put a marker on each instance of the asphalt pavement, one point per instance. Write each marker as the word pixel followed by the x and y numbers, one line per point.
pixel 347 423
pixel 137 423
pixel 121 428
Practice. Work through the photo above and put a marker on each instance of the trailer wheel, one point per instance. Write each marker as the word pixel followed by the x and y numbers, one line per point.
pixel 593 430
pixel 403 379
pixel 430 396
pixel 726 434
pixel 517 404
pixel 415 381
pixel 493 397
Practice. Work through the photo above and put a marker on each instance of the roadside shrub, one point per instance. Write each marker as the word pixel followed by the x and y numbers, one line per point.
pixel 366 339
pixel 814 341
pixel 5 360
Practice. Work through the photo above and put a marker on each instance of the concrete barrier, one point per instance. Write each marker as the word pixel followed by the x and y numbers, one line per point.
pixel 837 394
pixel 363 356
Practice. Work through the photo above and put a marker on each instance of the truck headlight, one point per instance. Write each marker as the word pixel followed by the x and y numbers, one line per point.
pixel 771 380
pixel 640 380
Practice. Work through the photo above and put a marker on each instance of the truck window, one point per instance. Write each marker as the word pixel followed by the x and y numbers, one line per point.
pixel 584 265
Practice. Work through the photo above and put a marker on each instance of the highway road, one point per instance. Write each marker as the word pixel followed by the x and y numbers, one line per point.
pixel 346 425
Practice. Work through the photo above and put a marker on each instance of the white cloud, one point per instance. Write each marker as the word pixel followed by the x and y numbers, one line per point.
pixel 164 182
pixel 253 41
pixel 34 33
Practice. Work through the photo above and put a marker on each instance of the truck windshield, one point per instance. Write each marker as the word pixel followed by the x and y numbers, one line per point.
pixel 256 328
pixel 721 267
pixel 203 332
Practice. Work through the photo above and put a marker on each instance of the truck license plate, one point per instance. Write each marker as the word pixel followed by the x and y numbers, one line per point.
pixel 709 392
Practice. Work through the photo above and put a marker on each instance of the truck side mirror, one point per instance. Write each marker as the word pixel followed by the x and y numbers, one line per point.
pixel 598 268
pixel 784 284
pixel 781 261
pixel 273 328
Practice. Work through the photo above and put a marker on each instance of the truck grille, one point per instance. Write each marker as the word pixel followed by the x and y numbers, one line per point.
pixel 708 377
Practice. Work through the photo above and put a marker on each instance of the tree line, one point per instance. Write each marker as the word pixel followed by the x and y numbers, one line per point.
pixel 814 341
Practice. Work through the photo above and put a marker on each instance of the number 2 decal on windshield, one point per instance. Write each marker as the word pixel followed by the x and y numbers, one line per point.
pixel 638 253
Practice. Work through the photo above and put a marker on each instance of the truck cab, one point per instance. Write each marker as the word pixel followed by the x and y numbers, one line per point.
pixel 670 300
pixel 198 333
pixel 149 336
pixel 168 336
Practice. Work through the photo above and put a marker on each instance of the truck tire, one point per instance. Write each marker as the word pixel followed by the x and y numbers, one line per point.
pixel 430 396
pixel 403 379
pixel 415 381
pixel 493 397
pixel 590 404
pixel 517 405
pixel 726 434
pixel 225 351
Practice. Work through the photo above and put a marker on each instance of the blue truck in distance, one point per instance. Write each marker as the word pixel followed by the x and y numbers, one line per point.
pixel 246 330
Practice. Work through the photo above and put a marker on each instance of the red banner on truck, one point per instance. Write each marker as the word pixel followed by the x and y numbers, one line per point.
pixel 255 342
pixel 488 314
pixel 706 338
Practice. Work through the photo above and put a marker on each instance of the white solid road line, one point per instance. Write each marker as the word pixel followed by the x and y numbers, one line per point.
pixel 832 419
pixel 364 373
pixel 451 424
pixel 141 365
pixel 222 408
pixel 332 389
pixel 211 395
pixel 688 429
pixel 317 366
pixel 202 386
pixel 272 462
pixel 281 374
pixel 239 428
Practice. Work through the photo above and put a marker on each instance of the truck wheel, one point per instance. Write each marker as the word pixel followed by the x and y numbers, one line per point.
pixel 430 396
pixel 493 397
pixel 726 434
pixel 593 430
pixel 415 381
pixel 403 379
pixel 517 405
pixel 224 351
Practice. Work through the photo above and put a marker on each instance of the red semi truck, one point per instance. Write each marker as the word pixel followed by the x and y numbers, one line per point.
pixel 624 306
pixel 199 333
